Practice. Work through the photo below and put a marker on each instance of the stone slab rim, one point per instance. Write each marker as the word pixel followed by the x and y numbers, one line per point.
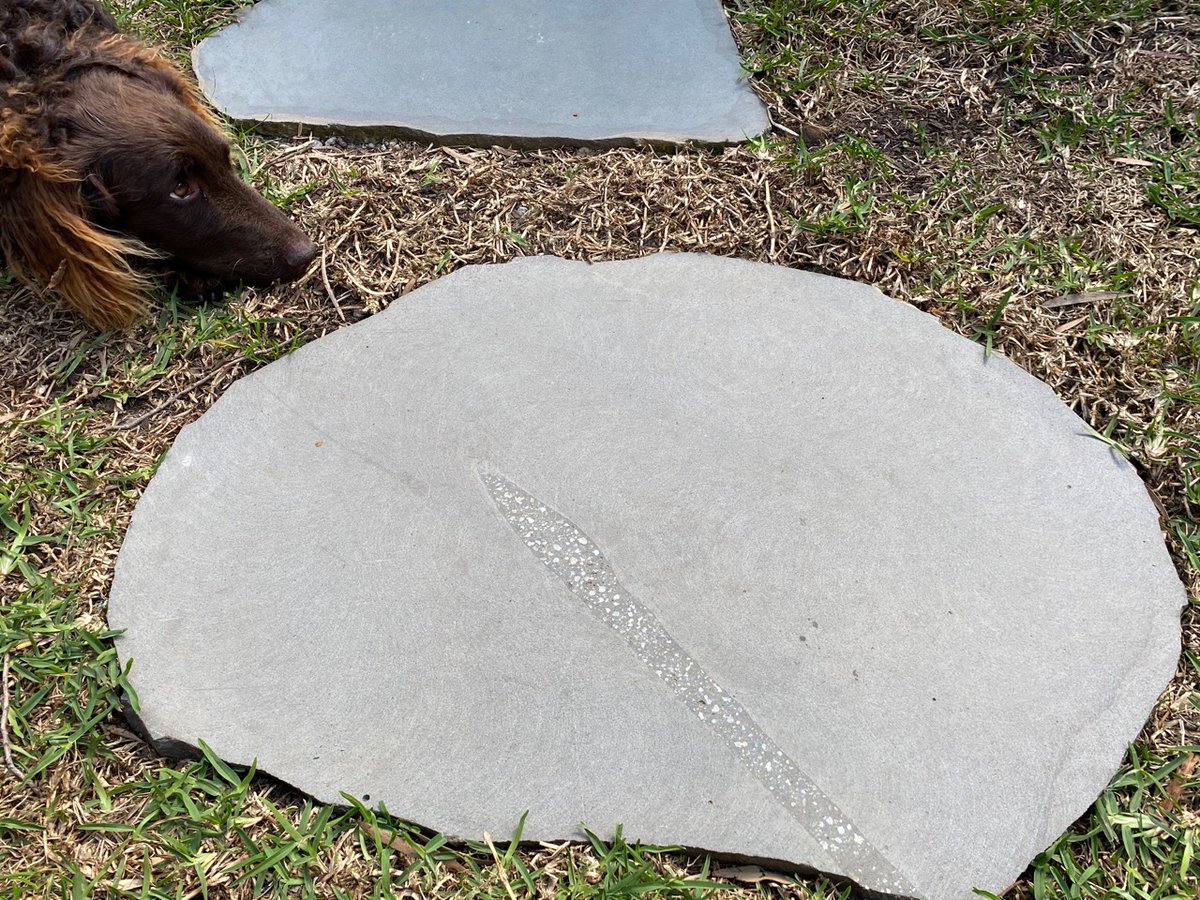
pixel 723 112
pixel 659 269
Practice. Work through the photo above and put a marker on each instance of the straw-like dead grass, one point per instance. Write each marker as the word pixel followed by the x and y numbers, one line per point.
pixel 980 161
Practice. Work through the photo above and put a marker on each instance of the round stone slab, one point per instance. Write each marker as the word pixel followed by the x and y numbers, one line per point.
pixel 747 559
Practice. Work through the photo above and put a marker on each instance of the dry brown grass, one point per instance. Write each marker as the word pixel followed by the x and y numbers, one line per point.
pixel 926 172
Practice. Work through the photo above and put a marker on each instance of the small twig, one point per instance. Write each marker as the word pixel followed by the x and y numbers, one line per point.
pixel 458 155
pixel 1164 54
pixel 487 839
pixel 329 288
pixel 381 295
pixel 199 382
pixel 56 278
pixel 310 144
pixel 770 217
pixel 1086 297
pixel 8 759
pixel 781 127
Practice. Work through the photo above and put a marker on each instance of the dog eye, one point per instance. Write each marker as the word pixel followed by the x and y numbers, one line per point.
pixel 185 189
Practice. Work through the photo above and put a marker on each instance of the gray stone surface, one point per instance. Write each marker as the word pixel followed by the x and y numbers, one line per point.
pixel 526 72
pixel 747 559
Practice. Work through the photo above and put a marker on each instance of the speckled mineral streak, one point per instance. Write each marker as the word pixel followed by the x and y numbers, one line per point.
pixel 574 557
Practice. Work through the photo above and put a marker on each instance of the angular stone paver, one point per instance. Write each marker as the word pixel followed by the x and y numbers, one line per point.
pixel 529 72
pixel 747 559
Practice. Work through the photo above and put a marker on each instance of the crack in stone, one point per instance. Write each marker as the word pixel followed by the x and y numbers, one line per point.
pixel 571 555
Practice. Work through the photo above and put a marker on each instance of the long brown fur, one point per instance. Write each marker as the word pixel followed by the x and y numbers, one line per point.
pixel 51 51
pixel 51 246
pixel 46 237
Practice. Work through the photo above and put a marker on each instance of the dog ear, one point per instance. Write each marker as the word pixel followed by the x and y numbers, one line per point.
pixel 124 54
pixel 48 243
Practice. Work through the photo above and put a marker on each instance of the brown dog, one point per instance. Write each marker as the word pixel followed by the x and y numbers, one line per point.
pixel 108 155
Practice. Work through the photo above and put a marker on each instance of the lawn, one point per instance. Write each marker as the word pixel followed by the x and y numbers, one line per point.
pixel 1029 173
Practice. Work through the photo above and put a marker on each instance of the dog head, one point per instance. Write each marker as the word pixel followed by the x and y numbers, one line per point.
pixel 157 169
pixel 132 164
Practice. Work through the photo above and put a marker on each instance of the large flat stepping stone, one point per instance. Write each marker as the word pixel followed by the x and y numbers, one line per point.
pixel 526 72
pixel 747 559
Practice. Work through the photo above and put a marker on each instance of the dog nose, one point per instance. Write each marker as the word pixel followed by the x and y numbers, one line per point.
pixel 298 254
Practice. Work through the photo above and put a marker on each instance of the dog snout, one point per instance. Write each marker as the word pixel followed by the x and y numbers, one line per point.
pixel 298 255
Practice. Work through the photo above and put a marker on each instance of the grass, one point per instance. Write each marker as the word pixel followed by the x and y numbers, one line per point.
pixel 975 159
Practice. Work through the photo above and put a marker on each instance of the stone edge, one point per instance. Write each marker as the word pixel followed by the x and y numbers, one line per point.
pixel 173 747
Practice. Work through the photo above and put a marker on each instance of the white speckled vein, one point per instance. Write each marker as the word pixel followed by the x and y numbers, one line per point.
pixel 573 557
